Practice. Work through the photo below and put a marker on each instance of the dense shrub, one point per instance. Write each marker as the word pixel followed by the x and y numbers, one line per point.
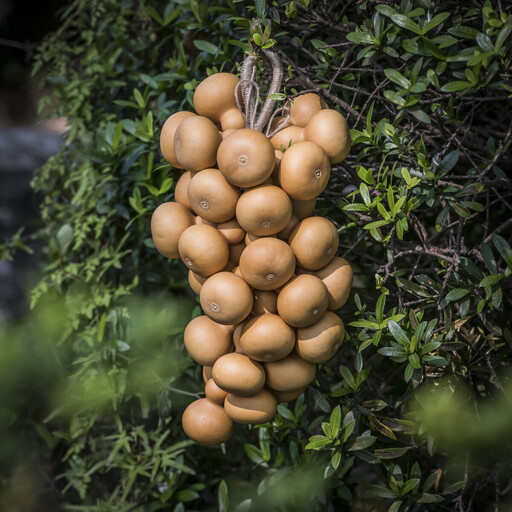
pixel 414 412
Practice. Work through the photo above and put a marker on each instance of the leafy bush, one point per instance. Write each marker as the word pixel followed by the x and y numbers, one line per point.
pixel 414 411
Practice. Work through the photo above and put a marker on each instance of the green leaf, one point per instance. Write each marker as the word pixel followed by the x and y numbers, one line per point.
pixel 414 361
pixel 379 308
pixel 355 207
pixel 435 21
pixel 395 507
pixel 484 41
pixel 139 99
pixel 362 442
pixel 503 248
pixel 382 492
pixel 403 21
pixel 205 46
pixel 392 352
pixel 409 486
pixel 398 78
pixel 456 294
pixel 465 32
pixel 64 236
pixel 365 194
pixel 317 444
pixel 360 37
pixel 429 498
pixel 347 375
pixel 458 85
pixel 390 453
pixel 398 334
pixel 335 421
pixel 223 497
pixel 365 324
pixel 502 36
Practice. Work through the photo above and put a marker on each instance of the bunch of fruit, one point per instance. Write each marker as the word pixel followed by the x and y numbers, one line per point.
pixel 266 272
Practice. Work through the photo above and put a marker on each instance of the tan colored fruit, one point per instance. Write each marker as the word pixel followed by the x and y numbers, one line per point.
pixel 214 98
pixel 304 171
pixel 235 251
pixel 206 340
pixel 196 142
pixel 287 137
pixel 267 263
pixel 231 231
pixel 314 242
pixel 319 342
pixel 226 298
pixel 236 271
pixel 264 210
pixel 289 374
pixel 287 396
pixel 214 393
pixel 226 133
pixel 287 231
pixel 238 374
pixel 167 136
pixel 207 423
pixel 264 301
pixel 199 220
pixel 168 223
pixel 337 277
pixel 250 238
pixel 180 192
pixel 275 173
pixel 303 301
pixel 212 197
pixel 203 249
pixel 207 373
pixel 256 409
pixel 195 281
pixel 303 209
pixel 236 337
pixel 246 158
pixel 329 129
pixel 267 338
pixel 304 107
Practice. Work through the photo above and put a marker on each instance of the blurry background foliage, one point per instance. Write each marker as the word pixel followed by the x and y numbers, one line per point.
pixel 415 411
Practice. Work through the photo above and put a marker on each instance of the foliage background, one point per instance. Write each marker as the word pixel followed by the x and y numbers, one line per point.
pixel 414 412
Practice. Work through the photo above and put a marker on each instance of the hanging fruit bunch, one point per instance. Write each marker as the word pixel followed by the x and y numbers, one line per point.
pixel 266 272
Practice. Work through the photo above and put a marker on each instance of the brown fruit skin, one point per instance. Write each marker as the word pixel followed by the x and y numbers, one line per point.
pixel 207 423
pixel 180 192
pixel 207 373
pixel 264 210
pixel 203 249
pixel 337 277
pixel 167 136
pixel 319 342
pixel 267 338
pixel 287 396
pixel 256 409
pixel 206 340
pixel 199 220
pixel 287 137
pixel 303 209
pixel 235 251
pixel 212 197
pixel 196 142
pixel 236 271
pixel 304 171
pixel 304 107
pixel 236 373
pixel 287 231
pixel 214 393
pixel 231 231
pixel 214 98
pixel 236 338
pixel 303 301
pixel 329 129
pixel 246 158
pixel 314 242
pixel 267 263
pixel 226 298
pixel 250 238
pixel 290 373
pixel 168 223
pixel 264 301
pixel 195 281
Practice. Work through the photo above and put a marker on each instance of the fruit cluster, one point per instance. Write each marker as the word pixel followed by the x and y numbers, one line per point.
pixel 266 272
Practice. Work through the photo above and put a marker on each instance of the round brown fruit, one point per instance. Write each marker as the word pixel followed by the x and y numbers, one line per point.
pixel 304 107
pixel 314 242
pixel 303 209
pixel 207 423
pixel 287 137
pixel 255 409
pixel 250 238
pixel 337 277
pixel 267 263
pixel 214 393
pixel 236 373
pixel 207 373
pixel 264 210
pixel 264 301
pixel 180 192
pixel 319 342
pixel 236 337
pixel 231 231
pixel 287 396
pixel 287 231
pixel 304 171
pixel 290 373
pixel 214 98
pixel 329 129
pixel 199 220
pixel 196 142
pixel 246 158
pixel 235 251
pixel 267 338
pixel 206 340
pixel 226 298
pixel 212 197
pixel 195 281
pixel 167 136
pixel 168 223
pixel 303 301
pixel 203 249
